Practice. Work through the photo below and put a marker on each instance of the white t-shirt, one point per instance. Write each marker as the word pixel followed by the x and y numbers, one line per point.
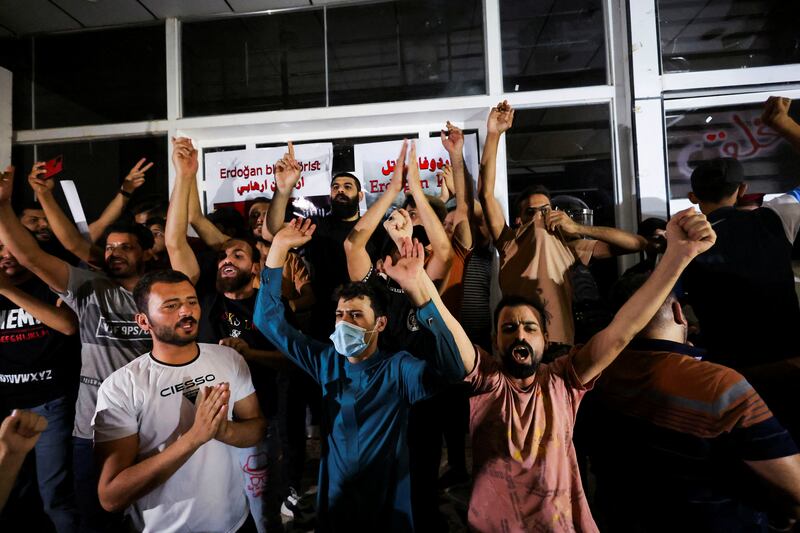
pixel 156 401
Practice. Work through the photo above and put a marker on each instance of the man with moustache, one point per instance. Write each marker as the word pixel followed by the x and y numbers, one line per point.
pixel 165 422
pixel 109 333
pixel 525 470
pixel 325 252
pixel 39 360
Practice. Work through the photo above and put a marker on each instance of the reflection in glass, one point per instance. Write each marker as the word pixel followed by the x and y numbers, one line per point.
pixel 100 77
pixel 566 149
pixel 725 34
pixel 552 44
pixel 250 64
pixel 405 50
pixel 694 135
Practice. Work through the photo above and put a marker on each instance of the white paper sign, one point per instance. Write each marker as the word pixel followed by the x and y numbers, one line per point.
pixel 75 207
pixel 374 163
pixel 242 175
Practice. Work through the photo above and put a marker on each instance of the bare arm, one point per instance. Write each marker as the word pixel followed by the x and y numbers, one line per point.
pixel 688 235
pixel 783 475
pixel 23 246
pixel 123 481
pixel 113 210
pixel 612 241
pixel 441 249
pixel 500 120
pixel 358 260
pixel 208 232
pixel 60 318
pixel 284 183
pixel 776 116
pixel 454 143
pixel 18 435
pixel 248 425
pixel 181 255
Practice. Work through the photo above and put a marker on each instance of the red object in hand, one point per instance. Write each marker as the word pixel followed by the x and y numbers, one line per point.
pixel 53 167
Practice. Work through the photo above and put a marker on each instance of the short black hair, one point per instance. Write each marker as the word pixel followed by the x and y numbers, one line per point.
pixel 155 206
pixel 258 200
pixel 230 219
pixel 161 221
pixel 347 175
pixel 716 179
pixel 514 300
pixel 254 251
pixel 436 204
pixel 140 231
pixel 529 191
pixel 648 226
pixel 360 289
pixel 141 293
pixel 26 205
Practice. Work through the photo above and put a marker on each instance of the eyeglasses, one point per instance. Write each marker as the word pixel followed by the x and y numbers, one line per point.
pixel 543 209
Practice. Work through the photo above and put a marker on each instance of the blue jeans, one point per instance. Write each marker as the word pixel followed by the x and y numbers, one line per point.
pixel 53 463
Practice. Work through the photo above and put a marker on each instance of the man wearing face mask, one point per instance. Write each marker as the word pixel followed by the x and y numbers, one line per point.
pixel 364 474
pixel 324 252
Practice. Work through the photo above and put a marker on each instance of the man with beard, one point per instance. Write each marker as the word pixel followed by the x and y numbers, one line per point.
pixel 109 333
pixel 525 470
pixel 228 296
pixel 165 422
pixel 39 356
pixel 325 251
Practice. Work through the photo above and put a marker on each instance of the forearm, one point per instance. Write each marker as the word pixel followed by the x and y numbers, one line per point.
pixel 111 213
pixel 10 465
pixel 64 229
pixel 791 132
pixel 244 433
pixel 277 212
pixel 181 256
pixel 366 225
pixel 61 319
pixel 618 239
pixel 140 479
pixel 440 243
pixel 208 232
pixel 491 207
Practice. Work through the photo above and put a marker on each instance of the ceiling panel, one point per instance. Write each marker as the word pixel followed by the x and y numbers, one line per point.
pixel 186 8
pixel 5 33
pixel 34 16
pixel 105 12
pixel 248 6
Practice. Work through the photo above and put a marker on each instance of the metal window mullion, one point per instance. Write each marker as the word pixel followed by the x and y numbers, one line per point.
pixel 493 46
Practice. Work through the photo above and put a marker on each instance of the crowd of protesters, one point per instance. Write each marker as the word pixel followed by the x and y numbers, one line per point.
pixel 162 382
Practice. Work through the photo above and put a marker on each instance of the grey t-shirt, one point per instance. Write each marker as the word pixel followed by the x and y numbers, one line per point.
pixel 109 334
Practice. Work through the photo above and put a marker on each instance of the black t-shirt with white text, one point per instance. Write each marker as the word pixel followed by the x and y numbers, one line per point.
pixel 37 363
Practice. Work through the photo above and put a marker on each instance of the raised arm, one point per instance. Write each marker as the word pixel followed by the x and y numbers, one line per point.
pixel 269 313
pixel 776 116
pixel 287 174
pixel 612 241
pixel 499 121
pixel 441 249
pixel 63 228
pixel 113 210
pixel 181 255
pixel 123 480
pixel 688 235
pixel 23 246
pixel 453 141
pixel 208 232
pixel 60 318
pixel 453 344
pixel 358 260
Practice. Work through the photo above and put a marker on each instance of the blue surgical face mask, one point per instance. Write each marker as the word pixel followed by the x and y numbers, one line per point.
pixel 349 339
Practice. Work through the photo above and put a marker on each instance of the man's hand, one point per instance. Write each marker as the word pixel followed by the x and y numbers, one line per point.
pixel 776 113
pixel 6 183
pixel 184 157
pixel 500 118
pixel 689 234
pixel 560 220
pixel 40 185
pixel 294 234
pixel 396 184
pixel 135 177
pixel 19 432
pixel 287 171
pixel 452 139
pixel 412 171
pixel 236 343
pixel 211 408
pixel 409 267
pixel 448 187
pixel 399 226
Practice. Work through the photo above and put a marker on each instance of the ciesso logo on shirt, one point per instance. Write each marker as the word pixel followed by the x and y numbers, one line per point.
pixel 189 388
